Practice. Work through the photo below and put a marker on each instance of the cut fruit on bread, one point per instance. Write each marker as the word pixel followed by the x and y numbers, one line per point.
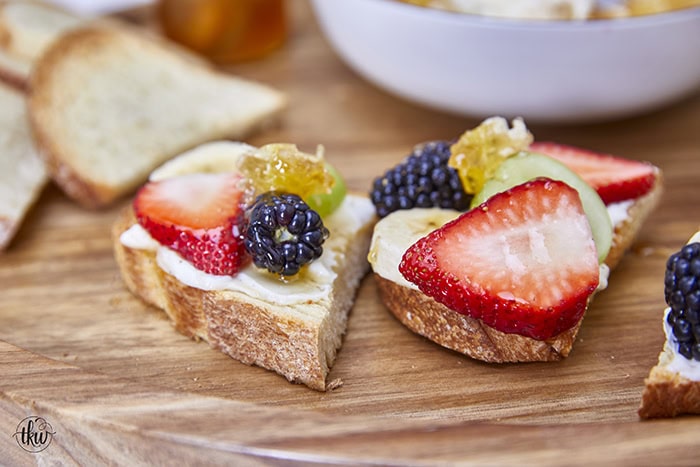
pixel 510 279
pixel 294 326
pixel 523 262
pixel 673 385
pixel 22 171
pixel 109 105
pixel 27 28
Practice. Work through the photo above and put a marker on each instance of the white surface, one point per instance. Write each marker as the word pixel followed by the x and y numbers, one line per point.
pixel 551 71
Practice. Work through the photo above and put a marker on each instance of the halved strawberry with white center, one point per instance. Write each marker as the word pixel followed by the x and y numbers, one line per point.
pixel 199 216
pixel 615 179
pixel 523 262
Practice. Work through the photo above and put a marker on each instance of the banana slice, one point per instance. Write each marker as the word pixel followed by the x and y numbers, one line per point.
pixel 215 157
pixel 399 230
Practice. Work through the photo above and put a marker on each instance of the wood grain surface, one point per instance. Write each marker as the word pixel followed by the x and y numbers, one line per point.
pixel 120 386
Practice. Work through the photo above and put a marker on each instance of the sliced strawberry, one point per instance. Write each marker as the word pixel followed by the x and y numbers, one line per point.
pixel 615 179
pixel 523 262
pixel 199 216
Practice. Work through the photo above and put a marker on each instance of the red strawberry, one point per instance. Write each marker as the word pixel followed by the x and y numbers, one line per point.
pixel 615 179
pixel 199 216
pixel 523 262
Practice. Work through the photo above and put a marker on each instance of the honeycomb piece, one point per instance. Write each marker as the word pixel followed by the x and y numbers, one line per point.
pixel 478 152
pixel 283 167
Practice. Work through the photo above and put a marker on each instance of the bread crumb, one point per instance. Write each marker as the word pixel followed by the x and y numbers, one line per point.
pixel 335 384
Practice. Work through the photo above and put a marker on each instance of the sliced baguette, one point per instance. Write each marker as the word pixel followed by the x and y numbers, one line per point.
pixel 31 26
pixel 109 104
pixel 425 316
pixel 27 28
pixel 668 393
pixel 298 340
pixel 22 171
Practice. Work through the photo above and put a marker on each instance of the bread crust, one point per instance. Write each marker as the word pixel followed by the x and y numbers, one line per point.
pixel 13 75
pixel 425 316
pixel 668 394
pixel 24 172
pixel 18 77
pixel 472 337
pixel 300 346
pixel 626 231
pixel 7 231
pixel 15 80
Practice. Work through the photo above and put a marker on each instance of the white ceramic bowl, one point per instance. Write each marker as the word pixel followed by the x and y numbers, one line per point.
pixel 547 71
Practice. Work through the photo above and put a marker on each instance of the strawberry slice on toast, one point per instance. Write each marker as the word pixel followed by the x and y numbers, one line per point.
pixel 523 262
pixel 199 216
pixel 615 179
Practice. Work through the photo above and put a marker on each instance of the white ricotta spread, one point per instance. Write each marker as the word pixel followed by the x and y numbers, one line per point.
pixel 618 212
pixel 679 364
pixel 312 286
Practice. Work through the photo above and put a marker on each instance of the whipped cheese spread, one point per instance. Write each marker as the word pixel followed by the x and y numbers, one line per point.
pixel 618 212
pixel 313 286
pixel 525 9
pixel 689 369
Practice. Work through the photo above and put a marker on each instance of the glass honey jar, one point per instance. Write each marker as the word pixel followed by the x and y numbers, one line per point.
pixel 225 31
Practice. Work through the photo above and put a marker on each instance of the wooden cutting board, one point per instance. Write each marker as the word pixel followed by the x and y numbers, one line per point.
pixel 119 385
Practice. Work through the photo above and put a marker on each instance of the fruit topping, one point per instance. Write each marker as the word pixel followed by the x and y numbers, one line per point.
pixel 523 262
pixel 527 166
pixel 615 179
pixel 197 215
pixel 478 152
pixel 214 157
pixel 422 180
pixel 283 233
pixel 283 168
pixel 326 203
pixel 682 292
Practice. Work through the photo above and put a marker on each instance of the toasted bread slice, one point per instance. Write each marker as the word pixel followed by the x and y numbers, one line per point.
pixel 27 28
pixel 22 171
pixel 293 329
pixel 109 104
pixel 668 392
pixel 31 26
pixel 425 316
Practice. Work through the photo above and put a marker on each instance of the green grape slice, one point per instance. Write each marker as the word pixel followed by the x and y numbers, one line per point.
pixel 527 166
pixel 326 203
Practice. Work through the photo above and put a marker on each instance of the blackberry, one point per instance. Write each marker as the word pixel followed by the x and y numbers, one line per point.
pixel 422 180
pixel 682 292
pixel 283 233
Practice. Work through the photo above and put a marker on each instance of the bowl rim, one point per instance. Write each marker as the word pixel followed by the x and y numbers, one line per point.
pixel 491 22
